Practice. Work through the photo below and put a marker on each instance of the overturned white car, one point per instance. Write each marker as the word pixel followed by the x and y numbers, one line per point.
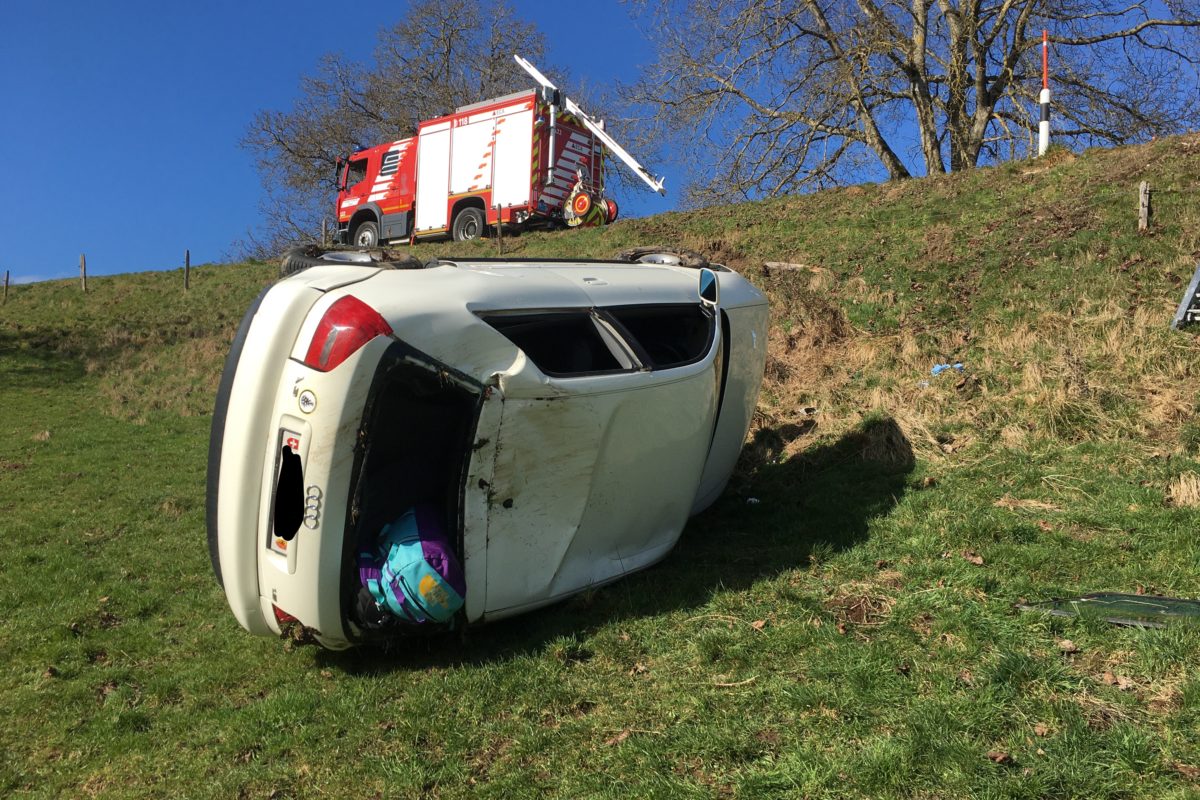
pixel 551 425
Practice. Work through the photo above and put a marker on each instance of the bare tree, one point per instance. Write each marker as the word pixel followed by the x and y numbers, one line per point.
pixel 443 54
pixel 765 97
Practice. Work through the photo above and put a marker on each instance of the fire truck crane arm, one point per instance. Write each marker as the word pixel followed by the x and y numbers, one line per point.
pixel 654 183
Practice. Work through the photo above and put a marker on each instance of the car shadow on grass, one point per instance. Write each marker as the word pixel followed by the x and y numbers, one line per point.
pixel 778 514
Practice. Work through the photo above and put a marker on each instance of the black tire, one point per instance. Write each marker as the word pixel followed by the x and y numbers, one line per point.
pixel 468 225
pixel 297 259
pixel 365 235
pixel 403 262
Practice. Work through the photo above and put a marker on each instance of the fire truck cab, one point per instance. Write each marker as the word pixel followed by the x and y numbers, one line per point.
pixel 375 194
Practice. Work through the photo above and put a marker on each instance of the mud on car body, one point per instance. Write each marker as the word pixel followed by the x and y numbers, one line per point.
pixel 560 421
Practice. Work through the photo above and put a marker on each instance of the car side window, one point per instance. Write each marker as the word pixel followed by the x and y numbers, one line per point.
pixel 668 335
pixel 561 343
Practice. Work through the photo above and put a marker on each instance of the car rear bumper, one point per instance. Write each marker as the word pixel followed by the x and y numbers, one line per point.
pixel 280 543
pixel 245 402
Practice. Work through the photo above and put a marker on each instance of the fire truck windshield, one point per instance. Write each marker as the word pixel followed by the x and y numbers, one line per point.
pixel 355 172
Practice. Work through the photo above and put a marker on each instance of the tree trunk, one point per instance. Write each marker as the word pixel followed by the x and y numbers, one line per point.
pixel 919 88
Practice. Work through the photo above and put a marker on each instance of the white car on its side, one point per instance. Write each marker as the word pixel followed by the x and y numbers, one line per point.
pixel 562 419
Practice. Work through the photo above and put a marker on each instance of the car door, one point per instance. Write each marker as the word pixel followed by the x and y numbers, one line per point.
pixel 599 453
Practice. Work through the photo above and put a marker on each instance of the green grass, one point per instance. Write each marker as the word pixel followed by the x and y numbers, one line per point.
pixel 838 638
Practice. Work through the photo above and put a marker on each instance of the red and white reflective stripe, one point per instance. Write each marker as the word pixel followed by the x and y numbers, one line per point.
pixel 486 160
pixel 1044 98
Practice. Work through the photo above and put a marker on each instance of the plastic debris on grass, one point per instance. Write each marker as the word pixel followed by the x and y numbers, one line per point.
pixel 1134 610
pixel 938 369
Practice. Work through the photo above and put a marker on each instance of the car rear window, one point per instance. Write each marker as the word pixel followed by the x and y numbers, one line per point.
pixel 559 343
pixel 671 335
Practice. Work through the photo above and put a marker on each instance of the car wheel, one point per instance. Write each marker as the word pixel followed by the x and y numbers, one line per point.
pixel 296 259
pixel 366 235
pixel 661 254
pixel 468 225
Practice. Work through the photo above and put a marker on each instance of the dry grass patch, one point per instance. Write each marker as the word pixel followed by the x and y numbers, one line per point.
pixel 1184 491
pixel 1027 505
pixel 1099 713
pixel 1164 405
pixel 1109 370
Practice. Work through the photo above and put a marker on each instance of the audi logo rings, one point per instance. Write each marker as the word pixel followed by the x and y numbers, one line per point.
pixel 312 507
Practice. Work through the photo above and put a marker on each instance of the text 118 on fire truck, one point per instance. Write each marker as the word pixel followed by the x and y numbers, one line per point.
pixel 529 159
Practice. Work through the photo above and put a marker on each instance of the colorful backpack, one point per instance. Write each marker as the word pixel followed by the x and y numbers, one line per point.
pixel 414 574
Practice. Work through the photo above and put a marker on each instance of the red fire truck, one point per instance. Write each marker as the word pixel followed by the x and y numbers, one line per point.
pixel 533 158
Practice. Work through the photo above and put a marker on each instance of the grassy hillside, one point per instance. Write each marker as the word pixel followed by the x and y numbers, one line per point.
pixel 852 634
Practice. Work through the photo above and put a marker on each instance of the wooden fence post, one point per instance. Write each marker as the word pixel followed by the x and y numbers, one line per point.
pixel 187 270
pixel 1143 206
pixel 5 286
pixel 499 231
pixel 83 272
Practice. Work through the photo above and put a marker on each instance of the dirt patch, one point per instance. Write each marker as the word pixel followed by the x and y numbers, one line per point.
pixel 856 605
pixel 939 244
pixel 725 252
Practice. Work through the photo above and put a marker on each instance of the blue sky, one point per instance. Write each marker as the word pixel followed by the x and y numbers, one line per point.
pixel 121 123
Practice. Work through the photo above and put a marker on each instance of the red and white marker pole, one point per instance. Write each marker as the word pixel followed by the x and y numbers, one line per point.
pixel 1044 98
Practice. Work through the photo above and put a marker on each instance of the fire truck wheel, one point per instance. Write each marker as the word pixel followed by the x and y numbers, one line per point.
pixel 468 225
pixel 366 235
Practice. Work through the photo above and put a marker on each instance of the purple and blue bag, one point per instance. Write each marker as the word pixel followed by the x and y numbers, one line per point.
pixel 414 573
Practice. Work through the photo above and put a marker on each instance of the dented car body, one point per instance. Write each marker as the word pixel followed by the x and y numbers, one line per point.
pixel 564 419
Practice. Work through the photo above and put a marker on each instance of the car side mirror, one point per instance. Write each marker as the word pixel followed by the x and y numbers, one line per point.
pixel 338 174
pixel 710 289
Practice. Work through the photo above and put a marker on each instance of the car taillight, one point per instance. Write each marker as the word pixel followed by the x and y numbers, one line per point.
pixel 281 616
pixel 347 325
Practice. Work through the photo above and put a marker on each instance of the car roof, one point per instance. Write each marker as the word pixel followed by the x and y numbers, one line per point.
pixel 439 309
pixel 548 284
pixel 486 284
